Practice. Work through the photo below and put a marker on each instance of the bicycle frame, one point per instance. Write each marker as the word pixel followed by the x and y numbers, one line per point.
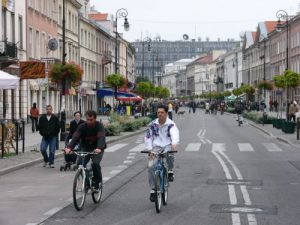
pixel 161 169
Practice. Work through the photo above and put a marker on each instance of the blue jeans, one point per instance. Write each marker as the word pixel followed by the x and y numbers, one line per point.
pixel 52 147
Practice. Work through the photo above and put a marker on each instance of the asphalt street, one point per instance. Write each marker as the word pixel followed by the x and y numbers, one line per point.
pixel 224 174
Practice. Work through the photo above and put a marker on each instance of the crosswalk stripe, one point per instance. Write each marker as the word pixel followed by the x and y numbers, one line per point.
pixel 193 147
pixel 245 147
pixel 271 147
pixel 115 147
pixel 138 148
pixel 218 147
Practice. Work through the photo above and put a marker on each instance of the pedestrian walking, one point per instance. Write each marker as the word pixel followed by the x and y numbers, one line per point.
pixel 49 129
pixel 170 110
pixel 34 116
pixel 292 111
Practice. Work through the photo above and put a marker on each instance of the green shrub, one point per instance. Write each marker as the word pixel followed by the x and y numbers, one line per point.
pixel 129 125
pixel 113 129
pixel 230 110
pixel 257 117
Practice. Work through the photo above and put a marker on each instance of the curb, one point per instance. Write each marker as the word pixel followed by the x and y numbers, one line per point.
pixel 60 154
pixel 272 135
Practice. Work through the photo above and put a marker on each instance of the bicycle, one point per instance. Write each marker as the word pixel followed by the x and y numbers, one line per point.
pixel 161 178
pixel 83 183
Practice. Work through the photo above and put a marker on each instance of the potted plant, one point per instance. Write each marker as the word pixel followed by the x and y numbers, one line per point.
pixel 265 84
pixel 70 73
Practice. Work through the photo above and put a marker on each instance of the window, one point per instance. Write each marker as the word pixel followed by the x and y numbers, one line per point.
pixel 38 44
pixel 21 32
pixel 12 27
pixel 30 43
pixel 44 45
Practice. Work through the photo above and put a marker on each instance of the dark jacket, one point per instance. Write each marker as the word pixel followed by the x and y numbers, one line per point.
pixel 49 128
pixel 73 127
pixel 90 138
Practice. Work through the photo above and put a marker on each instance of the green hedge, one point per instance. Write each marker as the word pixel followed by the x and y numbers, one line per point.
pixel 257 117
pixel 125 124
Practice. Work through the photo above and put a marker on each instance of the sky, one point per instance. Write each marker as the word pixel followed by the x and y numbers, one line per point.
pixel 171 19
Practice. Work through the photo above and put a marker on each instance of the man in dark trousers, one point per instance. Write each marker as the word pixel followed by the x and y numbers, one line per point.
pixel 91 136
pixel 49 129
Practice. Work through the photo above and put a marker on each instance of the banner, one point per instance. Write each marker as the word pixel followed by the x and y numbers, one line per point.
pixel 32 70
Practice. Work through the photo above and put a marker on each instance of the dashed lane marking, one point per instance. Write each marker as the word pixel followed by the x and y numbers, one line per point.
pixel 115 147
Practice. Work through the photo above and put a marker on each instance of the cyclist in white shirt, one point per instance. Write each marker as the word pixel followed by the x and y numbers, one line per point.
pixel 161 132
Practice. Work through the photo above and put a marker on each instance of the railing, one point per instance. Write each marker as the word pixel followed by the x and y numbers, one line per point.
pixel 106 57
pixel 8 49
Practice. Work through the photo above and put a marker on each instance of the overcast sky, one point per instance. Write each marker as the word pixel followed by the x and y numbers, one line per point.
pixel 197 18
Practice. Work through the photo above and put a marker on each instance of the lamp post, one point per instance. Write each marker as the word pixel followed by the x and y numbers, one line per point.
pixel 148 40
pixel 281 14
pixel 121 13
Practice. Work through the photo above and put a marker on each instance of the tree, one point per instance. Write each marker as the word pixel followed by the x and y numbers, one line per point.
pixel 115 80
pixel 141 79
pixel 237 91
pixel 143 89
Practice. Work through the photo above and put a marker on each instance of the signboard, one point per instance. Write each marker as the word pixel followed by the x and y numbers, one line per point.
pixel 9 5
pixel 32 70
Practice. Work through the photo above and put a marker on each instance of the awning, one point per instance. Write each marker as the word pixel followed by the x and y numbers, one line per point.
pixel 8 81
pixel 108 92
pixel 86 91
pixel 133 99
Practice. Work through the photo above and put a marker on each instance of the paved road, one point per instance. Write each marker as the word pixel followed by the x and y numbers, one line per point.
pixel 224 174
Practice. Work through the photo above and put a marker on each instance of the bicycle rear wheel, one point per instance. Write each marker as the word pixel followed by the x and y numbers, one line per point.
pixel 96 195
pixel 79 190
pixel 158 197
pixel 166 186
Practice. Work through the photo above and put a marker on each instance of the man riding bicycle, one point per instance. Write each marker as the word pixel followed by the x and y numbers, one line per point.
pixel 162 132
pixel 91 136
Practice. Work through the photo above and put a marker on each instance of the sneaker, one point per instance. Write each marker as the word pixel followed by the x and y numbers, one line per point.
pixel 44 164
pixel 152 196
pixel 51 166
pixel 170 176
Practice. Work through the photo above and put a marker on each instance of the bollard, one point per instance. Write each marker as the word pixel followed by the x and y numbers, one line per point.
pixel 298 127
pixel 265 117
pixel 17 136
pixel 23 135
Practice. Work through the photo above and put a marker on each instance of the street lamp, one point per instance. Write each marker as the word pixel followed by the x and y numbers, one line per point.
pixel 281 14
pixel 121 13
pixel 148 40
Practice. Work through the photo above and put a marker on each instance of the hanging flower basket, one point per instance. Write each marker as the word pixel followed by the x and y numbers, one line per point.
pixel 71 73
pixel 266 85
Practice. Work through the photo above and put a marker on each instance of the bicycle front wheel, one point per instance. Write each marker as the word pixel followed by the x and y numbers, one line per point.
pixel 158 197
pixel 79 190
pixel 96 194
pixel 166 186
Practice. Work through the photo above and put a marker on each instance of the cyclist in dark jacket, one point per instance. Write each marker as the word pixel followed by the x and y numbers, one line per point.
pixel 91 136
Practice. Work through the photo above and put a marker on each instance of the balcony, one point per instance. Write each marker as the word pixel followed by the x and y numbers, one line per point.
pixel 106 57
pixel 8 54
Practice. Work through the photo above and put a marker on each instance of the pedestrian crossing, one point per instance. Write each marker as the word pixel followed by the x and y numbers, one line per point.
pixel 242 147
pixel 196 147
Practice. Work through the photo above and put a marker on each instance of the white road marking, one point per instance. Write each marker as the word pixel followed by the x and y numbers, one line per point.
pixel 130 157
pixel 220 147
pixel 52 211
pixel 115 171
pixel 115 147
pixel 31 224
pixel 208 141
pixel 132 153
pixel 199 133
pixel 138 148
pixel 219 150
pixel 104 179
pixel 193 147
pixel 271 147
pixel 203 141
pixel 127 161
pixel 245 147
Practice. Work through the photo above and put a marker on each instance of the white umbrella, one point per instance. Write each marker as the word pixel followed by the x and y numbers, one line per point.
pixel 8 81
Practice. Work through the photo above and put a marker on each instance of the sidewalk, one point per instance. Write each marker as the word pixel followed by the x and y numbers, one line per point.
pixel 32 153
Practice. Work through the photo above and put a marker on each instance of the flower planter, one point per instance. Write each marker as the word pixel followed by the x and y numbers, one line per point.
pixel 288 127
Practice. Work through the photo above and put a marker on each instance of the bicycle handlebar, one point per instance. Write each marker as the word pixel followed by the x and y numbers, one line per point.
pixel 146 151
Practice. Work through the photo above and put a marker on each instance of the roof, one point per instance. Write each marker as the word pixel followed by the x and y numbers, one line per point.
pixel 99 16
pixel 271 25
